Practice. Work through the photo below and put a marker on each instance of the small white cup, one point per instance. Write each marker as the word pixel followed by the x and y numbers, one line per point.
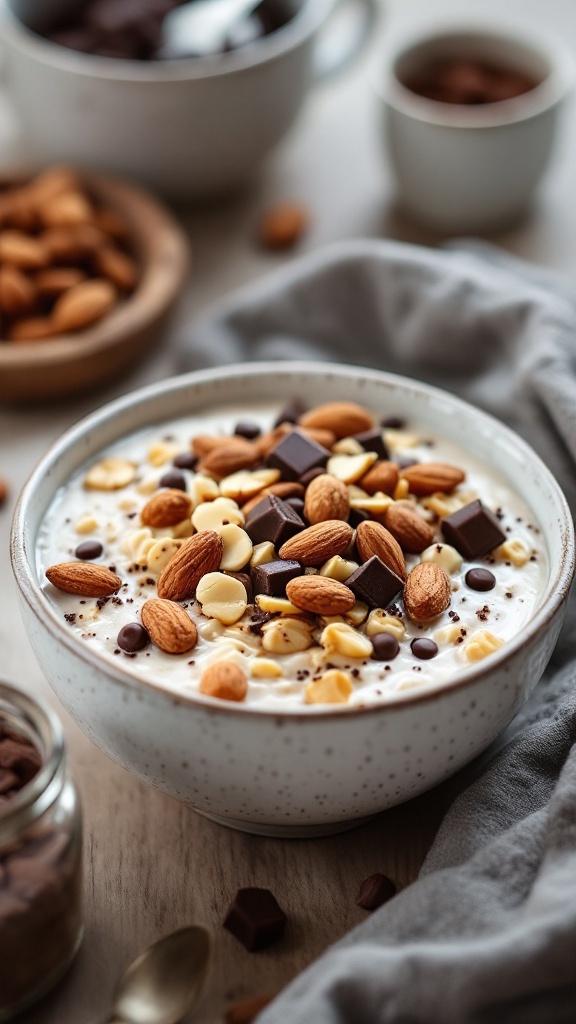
pixel 189 127
pixel 473 168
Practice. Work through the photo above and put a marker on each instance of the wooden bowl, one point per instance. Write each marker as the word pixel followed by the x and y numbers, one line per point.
pixel 74 363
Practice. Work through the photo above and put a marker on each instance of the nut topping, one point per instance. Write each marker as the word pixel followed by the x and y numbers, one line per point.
pixel 320 595
pixel 198 555
pixel 84 578
pixel 426 592
pixel 326 498
pixel 318 543
pixel 170 628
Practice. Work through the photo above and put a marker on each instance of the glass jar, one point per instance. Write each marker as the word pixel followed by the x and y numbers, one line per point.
pixel 40 855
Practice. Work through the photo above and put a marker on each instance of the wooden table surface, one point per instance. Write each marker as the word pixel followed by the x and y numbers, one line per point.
pixel 152 864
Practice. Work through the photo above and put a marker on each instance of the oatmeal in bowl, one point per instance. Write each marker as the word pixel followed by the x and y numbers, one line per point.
pixel 335 572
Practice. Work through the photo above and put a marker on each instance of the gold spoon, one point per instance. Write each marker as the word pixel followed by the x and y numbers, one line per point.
pixel 164 982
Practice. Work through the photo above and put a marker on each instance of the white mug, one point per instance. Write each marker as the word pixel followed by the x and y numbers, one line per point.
pixel 187 128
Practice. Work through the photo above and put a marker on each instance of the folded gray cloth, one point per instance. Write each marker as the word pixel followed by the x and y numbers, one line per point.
pixel 488 931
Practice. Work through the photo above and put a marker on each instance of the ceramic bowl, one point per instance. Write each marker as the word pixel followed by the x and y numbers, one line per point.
pixel 311 770
pixel 472 168
pixel 75 363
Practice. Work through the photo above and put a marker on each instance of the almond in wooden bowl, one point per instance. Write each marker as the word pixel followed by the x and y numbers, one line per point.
pixel 90 267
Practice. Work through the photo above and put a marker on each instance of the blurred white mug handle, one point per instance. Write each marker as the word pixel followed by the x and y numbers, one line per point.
pixel 345 34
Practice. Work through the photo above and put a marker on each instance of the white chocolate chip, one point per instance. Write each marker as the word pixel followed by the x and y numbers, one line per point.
pixel 397 440
pixel 338 568
pixel 513 550
pixel 148 485
pixel 222 597
pixel 212 515
pixel 265 668
pixel 86 525
pixel 481 645
pixel 269 603
pixel 347 446
pixel 443 555
pixel 137 543
pixel 161 453
pixel 357 613
pixel 349 468
pixel 161 552
pixel 333 687
pixel 380 622
pixel 452 634
pixel 203 488
pixel 263 553
pixel 110 474
pixel 237 546
pixel 340 638
pixel 286 636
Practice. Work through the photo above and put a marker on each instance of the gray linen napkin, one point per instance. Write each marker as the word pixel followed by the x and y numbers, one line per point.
pixel 488 931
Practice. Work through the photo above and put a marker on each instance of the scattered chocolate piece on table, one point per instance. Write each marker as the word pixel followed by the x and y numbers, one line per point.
pixel 255 919
pixel 375 890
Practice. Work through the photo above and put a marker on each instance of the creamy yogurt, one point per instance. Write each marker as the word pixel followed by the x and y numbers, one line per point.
pixel 111 517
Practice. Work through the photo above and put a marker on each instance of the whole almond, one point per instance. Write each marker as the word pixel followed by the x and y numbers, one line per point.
pixel 426 592
pixel 118 267
pixel 374 539
pixel 170 628
pixel 411 531
pixel 33 328
pixel 224 680
pixel 318 543
pixel 52 182
pixel 228 458
pixel 202 444
pixel 83 305
pixel 343 418
pixel 320 595
pixel 55 280
pixel 73 244
pixel 84 578
pixel 66 210
pixel 326 498
pixel 22 250
pixel 167 508
pixel 17 292
pixel 197 556
pixel 428 477
pixel 382 476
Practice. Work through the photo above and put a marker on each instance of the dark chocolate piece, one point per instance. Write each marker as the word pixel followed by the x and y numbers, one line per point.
pixel 186 460
pixel 274 520
pixel 374 891
pixel 247 429
pixel 423 648
pixel 357 516
pixel 297 504
pixel 291 412
pixel 385 647
pixel 132 637
pixel 89 549
pixel 255 919
pixel 473 530
pixel 392 423
pixel 375 583
pixel 311 475
pixel 480 579
pixel 373 441
pixel 174 479
pixel 295 454
pixel 272 577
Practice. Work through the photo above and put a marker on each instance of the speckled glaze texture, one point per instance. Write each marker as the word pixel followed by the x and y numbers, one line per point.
pixel 312 770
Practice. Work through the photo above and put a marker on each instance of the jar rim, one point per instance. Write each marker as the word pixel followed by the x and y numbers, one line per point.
pixel 44 723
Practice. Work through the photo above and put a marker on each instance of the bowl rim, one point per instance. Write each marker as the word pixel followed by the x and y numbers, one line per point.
pixel 547 94
pixel 152 295
pixel 289 36
pixel 23 562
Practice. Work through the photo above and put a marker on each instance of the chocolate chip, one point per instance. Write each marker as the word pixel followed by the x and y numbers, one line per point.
pixel 186 460
pixel 373 441
pixel 374 891
pixel 173 479
pixel 357 516
pixel 255 919
pixel 295 454
pixel 393 423
pixel 311 475
pixel 274 520
pixel 473 530
pixel 291 412
pixel 480 579
pixel 385 647
pixel 132 637
pixel 89 549
pixel 272 577
pixel 424 648
pixel 375 583
pixel 247 429
pixel 297 504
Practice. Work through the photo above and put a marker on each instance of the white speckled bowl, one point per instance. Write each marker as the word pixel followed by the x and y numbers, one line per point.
pixel 310 771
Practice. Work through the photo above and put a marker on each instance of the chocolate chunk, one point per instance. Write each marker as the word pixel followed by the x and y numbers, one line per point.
pixel 374 891
pixel 375 583
pixel 89 549
pixel 173 479
pixel 255 919
pixel 247 429
pixel 473 530
pixel 274 520
pixel 291 412
pixel 373 441
pixel 424 648
pixel 295 454
pixel 272 577
pixel 132 637
pixel 392 423
pixel 297 504
pixel 480 579
pixel 357 516
pixel 246 582
pixel 385 647
pixel 186 460
pixel 311 475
